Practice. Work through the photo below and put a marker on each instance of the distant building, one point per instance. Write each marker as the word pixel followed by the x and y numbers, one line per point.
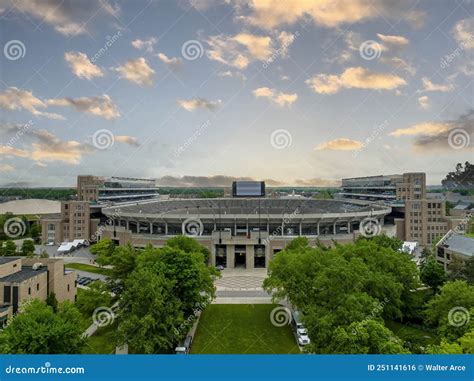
pixel 115 189
pixel 74 222
pixel 454 245
pixel 22 279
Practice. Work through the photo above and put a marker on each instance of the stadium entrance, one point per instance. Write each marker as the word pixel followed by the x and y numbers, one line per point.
pixel 240 256
pixel 221 256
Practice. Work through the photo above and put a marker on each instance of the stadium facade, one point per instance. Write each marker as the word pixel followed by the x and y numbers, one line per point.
pixel 241 232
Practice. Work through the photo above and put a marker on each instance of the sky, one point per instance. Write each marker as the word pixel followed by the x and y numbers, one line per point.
pixel 201 92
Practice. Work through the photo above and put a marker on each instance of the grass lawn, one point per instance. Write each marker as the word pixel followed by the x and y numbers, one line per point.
pixel 411 334
pixel 102 342
pixel 88 268
pixel 240 329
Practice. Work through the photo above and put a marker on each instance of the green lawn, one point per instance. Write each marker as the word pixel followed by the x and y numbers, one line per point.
pixel 88 268
pixel 412 334
pixel 240 329
pixel 102 342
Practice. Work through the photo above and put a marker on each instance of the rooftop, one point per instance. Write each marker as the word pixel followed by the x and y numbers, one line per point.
pixel 460 244
pixel 4 260
pixel 25 273
pixel 243 206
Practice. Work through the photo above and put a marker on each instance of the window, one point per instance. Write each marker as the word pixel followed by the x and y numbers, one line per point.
pixel 68 287
pixel 37 286
pixel 29 290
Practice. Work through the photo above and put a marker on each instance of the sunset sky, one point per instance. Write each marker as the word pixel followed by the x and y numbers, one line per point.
pixel 197 92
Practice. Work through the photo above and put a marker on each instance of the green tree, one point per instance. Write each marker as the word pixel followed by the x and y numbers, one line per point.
pixel 104 250
pixel 123 261
pixel 38 330
pixel 189 245
pixel 9 249
pixel 450 310
pixel 432 274
pixel 336 287
pixel 464 345
pixel 35 232
pixel 96 295
pixel 44 254
pixel 28 248
pixel 52 301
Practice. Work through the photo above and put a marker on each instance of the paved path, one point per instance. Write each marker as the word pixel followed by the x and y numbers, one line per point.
pixel 241 286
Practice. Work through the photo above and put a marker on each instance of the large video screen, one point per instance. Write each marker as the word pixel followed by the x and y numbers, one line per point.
pixel 248 189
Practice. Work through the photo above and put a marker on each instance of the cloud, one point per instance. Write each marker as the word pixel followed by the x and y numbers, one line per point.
pixel 100 106
pixel 442 136
pixel 226 181
pixel 130 140
pixel 146 45
pixel 354 77
pixel 393 40
pixel 11 151
pixel 270 14
pixel 341 144
pixel 275 96
pixel 430 86
pixel 243 48
pixel 6 168
pixel 68 18
pixel 137 71
pixel 424 102
pixel 81 66
pixel 463 33
pixel 398 62
pixel 195 103
pixel 16 99
pixel 232 74
pixel 50 148
pixel 174 62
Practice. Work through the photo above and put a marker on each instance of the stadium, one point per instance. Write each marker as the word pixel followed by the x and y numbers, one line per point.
pixel 241 231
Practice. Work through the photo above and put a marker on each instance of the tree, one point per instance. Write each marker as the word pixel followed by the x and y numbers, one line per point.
pixel 464 345
pixel 461 178
pixel 432 274
pixel 38 330
pixel 450 310
pixel 425 255
pixel 189 245
pixel 161 293
pixel 35 232
pixel 28 248
pixel 9 249
pixel 123 261
pixel 52 301
pixel 336 287
pixel 104 250
pixel 96 295
pixel 44 254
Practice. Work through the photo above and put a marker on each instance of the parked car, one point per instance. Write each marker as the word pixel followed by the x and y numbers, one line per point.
pixel 185 348
pixel 302 335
